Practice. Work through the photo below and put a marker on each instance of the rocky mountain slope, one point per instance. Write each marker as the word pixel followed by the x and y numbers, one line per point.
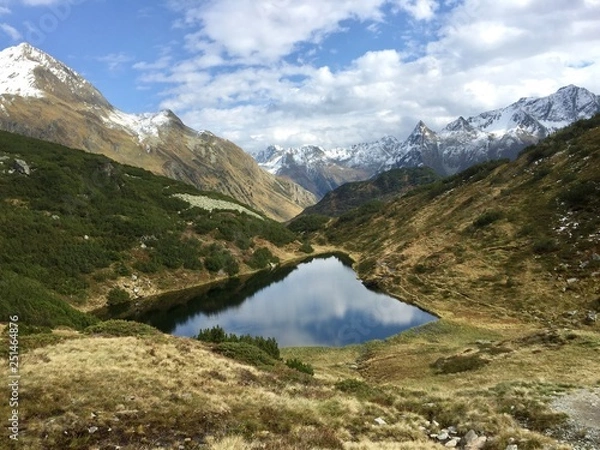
pixel 520 238
pixel 43 98
pixel 496 134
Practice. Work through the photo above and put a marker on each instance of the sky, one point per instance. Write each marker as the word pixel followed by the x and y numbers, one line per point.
pixel 322 72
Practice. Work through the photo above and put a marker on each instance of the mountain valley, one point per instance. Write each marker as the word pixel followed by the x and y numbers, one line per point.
pixel 100 211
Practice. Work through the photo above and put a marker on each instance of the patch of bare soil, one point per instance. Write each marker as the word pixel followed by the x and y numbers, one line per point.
pixel 582 430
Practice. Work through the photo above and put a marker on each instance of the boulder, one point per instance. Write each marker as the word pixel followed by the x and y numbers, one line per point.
pixel 590 318
pixel 469 437
pixel 476 444
pixel 22 167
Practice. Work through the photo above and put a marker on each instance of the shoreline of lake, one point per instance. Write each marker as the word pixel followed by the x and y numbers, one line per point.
pixel 318 301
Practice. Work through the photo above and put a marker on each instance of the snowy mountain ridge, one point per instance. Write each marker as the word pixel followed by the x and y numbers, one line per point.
pixel 500 133
pixel 43 98
pixel 27 72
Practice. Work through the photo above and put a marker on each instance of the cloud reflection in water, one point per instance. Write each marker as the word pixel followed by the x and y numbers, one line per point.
pixel 319 304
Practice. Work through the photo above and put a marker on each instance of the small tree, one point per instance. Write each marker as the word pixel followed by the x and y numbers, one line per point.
pixel 117 297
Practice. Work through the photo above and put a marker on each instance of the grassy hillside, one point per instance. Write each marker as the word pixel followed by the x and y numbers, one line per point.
pixel 506 254
pixel 514 240
pixel 384 186
pixel 85 229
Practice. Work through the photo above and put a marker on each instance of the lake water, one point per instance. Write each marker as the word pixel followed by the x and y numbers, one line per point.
pixel 316 303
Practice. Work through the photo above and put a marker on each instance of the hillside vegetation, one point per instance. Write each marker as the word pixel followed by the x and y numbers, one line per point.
pixel 81 228
pixel 382 187
pixel 506 253
pixel 518 240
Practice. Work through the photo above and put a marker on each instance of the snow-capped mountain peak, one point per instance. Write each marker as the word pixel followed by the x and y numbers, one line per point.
pixel 26 71
pixel 499 133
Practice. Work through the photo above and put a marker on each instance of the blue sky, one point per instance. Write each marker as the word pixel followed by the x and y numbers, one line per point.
pixel 327 72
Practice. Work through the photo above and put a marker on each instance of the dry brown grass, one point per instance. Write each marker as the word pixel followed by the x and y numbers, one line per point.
pixel 165 392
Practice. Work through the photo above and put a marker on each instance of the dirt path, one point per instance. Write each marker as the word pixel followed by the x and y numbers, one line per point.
pixel 583 408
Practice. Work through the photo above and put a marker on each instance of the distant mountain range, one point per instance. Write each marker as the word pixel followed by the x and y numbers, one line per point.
pixel 43 98
pixel 500 133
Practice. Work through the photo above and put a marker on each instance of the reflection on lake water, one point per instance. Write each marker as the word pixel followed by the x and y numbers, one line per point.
pixel 317 303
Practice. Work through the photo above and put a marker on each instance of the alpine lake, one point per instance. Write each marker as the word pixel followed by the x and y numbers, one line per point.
pixel 319 302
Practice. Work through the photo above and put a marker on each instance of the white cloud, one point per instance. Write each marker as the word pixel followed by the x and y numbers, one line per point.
pixel 11 31
pixel 419 9
pixel 264 31
pixel 481 54
pixel 115 61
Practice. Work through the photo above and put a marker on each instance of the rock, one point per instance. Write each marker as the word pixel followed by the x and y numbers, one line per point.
pixel 92 430
pixel 469 437
pixel 572 280
pixel 590 317
pixel 452 430
pixel 451 443
pixel 512 447
pixel 476 444
pixel 443 436
pixel 380 421
pixel 434 423
pixel 22 167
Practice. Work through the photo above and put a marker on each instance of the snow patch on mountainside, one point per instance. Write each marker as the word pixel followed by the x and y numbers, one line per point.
pixel 143 126
pixel 24 72
pixel 499 133
pixel 17 73
pixel 18 67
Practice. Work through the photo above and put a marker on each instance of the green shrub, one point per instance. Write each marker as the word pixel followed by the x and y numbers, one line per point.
pixel 579 194
pixel 261 258
pixel 306 247
pixel 117 297
pixel 218 258
pixel 36 306
pixel 544 245
pixel 148 266
pixel 458 363
pixel 118 328
pixel 245 353
pixel 308 223
pixel 217 335
pixel 487 218
pixel 300 366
